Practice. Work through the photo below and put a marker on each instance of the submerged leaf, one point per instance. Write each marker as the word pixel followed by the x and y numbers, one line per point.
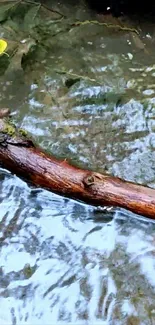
pixel 5 9
pixel 30 16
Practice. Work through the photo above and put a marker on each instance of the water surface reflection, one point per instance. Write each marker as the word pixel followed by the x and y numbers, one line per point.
pixel 58 264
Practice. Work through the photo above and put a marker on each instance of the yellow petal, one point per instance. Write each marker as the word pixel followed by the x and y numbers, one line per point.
pixel 3 46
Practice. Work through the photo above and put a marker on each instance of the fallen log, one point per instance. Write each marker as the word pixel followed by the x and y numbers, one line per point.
pixel 20 155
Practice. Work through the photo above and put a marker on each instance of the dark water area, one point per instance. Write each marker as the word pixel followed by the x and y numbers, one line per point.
pixel 86 94
pixel 120 7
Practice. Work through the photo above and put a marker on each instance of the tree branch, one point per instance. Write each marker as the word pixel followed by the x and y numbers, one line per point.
pixel 19 154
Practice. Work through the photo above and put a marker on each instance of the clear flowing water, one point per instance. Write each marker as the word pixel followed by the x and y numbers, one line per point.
pixel 63 262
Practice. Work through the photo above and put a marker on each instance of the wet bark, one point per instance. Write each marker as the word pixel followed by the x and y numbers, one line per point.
pixel 19 155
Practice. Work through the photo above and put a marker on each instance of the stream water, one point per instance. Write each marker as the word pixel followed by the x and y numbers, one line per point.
pixel 87 94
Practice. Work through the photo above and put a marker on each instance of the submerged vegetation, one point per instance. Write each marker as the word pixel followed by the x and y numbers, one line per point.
pixel 26 26
pixel 34 32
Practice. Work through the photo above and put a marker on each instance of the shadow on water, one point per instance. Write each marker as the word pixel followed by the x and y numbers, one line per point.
pixel 86 94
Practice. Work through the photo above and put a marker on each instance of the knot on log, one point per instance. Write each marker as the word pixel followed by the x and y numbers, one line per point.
pixel 89 180
pixel 92 179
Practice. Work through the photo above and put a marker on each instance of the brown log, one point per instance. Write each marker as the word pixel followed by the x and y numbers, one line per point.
pixel 19 155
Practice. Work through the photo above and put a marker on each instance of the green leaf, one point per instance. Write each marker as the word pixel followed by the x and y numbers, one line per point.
pixel 6 8
pixel 31 15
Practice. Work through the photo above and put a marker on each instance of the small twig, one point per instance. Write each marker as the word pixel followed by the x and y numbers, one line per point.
pixel 86 22
pixel 77 76
pixel 52 10
pixel 43 6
